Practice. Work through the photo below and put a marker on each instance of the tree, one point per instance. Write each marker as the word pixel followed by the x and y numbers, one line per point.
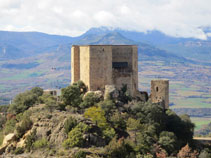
pixel 75 136
pixel 25 100
pixel 167 140
pixel 134 126
pixel 69 124
pixel 89 100
pixel 186 152
pixel 124 95
pixel 25 125
pixel 97 115
pixel 37 91
pixel 181 126
pixel 118 149
pixel 118 121
pixel 108 106
pixel 71 95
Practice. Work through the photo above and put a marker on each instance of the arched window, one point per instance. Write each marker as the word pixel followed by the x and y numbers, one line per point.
pixel 156 89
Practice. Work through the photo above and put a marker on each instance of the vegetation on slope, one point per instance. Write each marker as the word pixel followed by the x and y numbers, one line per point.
pixel 115 127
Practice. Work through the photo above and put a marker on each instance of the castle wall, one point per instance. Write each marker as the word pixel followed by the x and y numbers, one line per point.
pixel 127 75
pixel 160 92
pixel 85 65
pixel 75 64
pixel 100 67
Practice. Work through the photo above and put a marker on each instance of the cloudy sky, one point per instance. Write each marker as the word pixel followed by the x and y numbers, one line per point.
pixel 183 18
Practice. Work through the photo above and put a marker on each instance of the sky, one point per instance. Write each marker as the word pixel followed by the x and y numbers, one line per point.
pixel 182 18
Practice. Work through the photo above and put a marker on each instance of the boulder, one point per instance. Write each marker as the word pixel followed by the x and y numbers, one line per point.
pixel 8 139
pixel 98 94
pixel 111 92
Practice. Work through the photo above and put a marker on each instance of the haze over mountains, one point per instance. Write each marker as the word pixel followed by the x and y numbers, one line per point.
pixel 29 59
pixel 15 45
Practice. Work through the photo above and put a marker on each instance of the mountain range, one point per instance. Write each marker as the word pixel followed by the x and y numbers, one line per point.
pixel 16 45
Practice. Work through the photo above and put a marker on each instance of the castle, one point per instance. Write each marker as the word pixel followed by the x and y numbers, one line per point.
pixel 101 65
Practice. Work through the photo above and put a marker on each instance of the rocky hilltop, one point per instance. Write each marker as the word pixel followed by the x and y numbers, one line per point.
pixel 79 124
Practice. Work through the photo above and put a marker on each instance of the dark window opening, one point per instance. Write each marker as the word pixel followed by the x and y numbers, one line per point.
pixel 156 89
pixel 119 65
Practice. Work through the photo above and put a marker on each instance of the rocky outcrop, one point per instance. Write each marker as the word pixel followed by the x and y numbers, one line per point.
pixel 98 94
pixel 8 139
pixel 110 92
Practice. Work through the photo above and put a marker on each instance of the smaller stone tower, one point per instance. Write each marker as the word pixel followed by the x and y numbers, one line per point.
pixel 160 92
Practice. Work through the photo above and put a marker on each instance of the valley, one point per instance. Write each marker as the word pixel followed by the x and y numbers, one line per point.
pixel 190 84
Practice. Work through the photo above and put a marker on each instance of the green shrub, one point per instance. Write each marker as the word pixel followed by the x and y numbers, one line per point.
pixel 80 154
pixel 124 95
pixel 97 115
pixel 18 151
pixel 118 149
pixel 1 137
pixel 25 100
pixel 118 121
pixel 30 139
pixel 89 100
pixel 25 125
pixel 107 106
pixel 42 143
pixel 75 136
pixel 69 124
pixel 2 121
pixel 9 126
pixel 167 140
pixel 71 95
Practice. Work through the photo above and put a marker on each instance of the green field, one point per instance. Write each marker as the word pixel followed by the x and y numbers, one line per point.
pixel 200 121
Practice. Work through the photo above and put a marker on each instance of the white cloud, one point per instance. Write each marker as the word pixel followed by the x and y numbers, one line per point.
pixel 69 17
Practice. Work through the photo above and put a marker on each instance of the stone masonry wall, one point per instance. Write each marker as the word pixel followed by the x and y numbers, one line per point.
pixel 160 92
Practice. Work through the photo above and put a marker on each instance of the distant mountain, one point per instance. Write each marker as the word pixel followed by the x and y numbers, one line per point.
pixel 14 45
pixel 23 44
pixel 191 48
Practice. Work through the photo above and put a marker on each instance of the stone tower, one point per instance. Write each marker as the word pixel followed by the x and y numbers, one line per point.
pixel 160 92
pixel 100 65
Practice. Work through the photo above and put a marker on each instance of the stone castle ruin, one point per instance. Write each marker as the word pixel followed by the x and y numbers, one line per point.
pixel 101 65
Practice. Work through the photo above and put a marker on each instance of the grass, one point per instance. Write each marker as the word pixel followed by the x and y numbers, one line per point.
pixel 1 137
pixel 200 121
pixel 190 102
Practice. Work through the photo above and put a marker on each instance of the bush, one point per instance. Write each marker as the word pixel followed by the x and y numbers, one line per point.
pixel 97 115
pixel 124 95
pixel 107 106
pixel 71 95
pixel 89 100
pixel 25 125
pixel 25 100
pixel 42 143
pixel 80 154
pixel 9 126
pixel 167 141
pixel 118 149
pixel 204 154
pixel 18 150
pixel 2 121
pixel 1 137
pixel 75 136
pixel 69 124
pixel 118 121
pixel 30 139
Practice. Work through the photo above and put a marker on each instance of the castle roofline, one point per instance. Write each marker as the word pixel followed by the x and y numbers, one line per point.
pixel 160 80
pixel 105 45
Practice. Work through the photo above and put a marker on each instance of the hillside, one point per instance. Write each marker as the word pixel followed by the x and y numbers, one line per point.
pixel 48 64
pixel 93 124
